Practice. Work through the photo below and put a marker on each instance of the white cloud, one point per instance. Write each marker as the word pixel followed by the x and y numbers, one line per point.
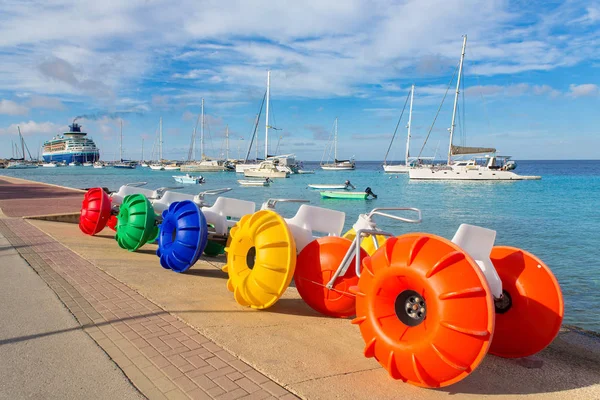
pixel 320 48
pixel 9 107
pixel 30 128
pixel 50 103
pixel 584 90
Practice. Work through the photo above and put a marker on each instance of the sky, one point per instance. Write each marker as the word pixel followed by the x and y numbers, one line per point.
pixel 530 87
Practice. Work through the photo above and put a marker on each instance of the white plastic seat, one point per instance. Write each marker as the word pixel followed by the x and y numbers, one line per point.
pixel 127 190
pixel 170 197
pixel 311 219
pixel 478 242
pixel 225 207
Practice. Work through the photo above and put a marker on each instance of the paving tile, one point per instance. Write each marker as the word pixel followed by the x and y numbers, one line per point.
pixel 164 384
pixel 227 384
pixel 258 395
pixel 176 394
pixel 220 372
pixel 256 376
pixel 247 385
pixel 185 383
pixel 233 395
pixel 204 382
pixel 216 362
pixel 199 394
pixel 274 388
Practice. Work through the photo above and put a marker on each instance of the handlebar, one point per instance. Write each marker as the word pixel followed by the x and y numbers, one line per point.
pixel 378 211
pixel 270 204
pixel 136 184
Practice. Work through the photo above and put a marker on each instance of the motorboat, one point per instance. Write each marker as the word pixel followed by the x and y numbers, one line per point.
pixel 50 165
pixel 157 167
pixel 172 167
pixel 88 164
pixel 74 164
pixel 255 182
pixel 306 171
pixel 266 169
pixel 98 165
pixel 187 178
pixel 346 185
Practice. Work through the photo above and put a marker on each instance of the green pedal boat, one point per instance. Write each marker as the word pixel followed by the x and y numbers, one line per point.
pixel 331 194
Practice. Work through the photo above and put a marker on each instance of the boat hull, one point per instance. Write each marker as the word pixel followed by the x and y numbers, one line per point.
pixel 344 195
pixel 337 167
pixel 481 174
pixel 202 168
pixel 326 187
pixel 71 157
pixel 253 183
pixel 21 166
pixel 396 169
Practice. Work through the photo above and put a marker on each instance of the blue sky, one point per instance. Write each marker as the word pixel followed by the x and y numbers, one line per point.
pixel 531 74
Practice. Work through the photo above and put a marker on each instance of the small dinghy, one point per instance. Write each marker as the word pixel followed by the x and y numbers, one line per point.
pixel 306 171
pixel 348 195
pixel 346 185
pixel 255 182
pixel 187 178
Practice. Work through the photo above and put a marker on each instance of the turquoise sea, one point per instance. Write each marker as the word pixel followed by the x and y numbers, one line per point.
pixel 555 218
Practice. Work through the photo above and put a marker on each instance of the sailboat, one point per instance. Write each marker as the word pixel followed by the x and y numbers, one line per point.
pixel 284 162
pixel 205 164
pixel 158 166
pixel 496 167
pixel 123 164
pixel 399 168
pixel 20 163
pixel 338 165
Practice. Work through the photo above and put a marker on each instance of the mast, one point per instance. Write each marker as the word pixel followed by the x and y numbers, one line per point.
pixel 226 142
pixel 142 160
pixel 335 141
pixel 121 143
pixel 194 148
pixel 22 143
pixel 462 58
pixel 160 141
pixel 202 133
pixel 267 115
pixel 412 93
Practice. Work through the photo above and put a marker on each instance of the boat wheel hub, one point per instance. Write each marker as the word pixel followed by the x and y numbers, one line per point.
pixel 410 307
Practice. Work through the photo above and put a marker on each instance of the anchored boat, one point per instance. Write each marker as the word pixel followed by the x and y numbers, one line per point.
pixel 495 168
pixel 71 146
pixel 337 165
pixel 249 182
pixel 187 178
pixel 346 185
pixel 348 195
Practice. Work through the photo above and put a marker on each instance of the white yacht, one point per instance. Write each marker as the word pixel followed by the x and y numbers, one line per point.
pixel 495 168
pixel 266 169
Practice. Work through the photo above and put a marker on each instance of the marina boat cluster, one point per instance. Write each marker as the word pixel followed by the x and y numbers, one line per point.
pixel 74 148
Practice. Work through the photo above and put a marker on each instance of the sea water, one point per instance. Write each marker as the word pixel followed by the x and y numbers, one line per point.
pixel 556 218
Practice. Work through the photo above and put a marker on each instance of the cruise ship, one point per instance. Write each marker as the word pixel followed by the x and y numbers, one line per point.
pixel 72 146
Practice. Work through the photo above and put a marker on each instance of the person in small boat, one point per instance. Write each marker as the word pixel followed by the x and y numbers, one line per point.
pixel 369 192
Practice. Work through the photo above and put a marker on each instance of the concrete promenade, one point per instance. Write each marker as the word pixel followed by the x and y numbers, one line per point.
pixel 183 335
